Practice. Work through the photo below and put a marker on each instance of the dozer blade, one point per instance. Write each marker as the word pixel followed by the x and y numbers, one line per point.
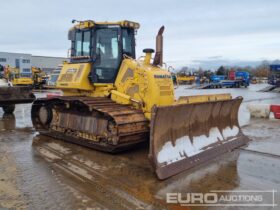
pixel 15 95
pixel 185 135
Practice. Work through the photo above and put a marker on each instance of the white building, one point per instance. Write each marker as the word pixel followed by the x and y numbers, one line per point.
pixel 17 60
pixel 25 61
pixel 47 63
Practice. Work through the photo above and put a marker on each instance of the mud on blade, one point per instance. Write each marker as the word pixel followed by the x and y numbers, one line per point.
pixel 16 95
pixel 185 135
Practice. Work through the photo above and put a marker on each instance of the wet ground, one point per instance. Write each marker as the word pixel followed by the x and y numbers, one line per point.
pixel 38 172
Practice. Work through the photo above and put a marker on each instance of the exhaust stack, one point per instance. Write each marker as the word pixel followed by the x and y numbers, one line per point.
pixel 158 60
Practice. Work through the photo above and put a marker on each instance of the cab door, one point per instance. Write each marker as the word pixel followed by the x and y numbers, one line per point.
pixel 108 54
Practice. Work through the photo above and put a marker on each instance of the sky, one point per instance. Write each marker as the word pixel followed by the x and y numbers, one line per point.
pixel 197 32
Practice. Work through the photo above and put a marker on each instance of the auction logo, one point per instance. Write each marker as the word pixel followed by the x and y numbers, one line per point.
pixel 248 198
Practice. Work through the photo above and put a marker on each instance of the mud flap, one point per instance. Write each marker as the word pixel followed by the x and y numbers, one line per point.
pixel 15 95
pixel 185 135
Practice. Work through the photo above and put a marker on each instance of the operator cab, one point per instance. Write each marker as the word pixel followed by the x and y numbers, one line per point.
pixel 104 46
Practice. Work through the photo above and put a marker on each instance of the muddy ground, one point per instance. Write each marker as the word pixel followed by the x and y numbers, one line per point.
pixel 38 172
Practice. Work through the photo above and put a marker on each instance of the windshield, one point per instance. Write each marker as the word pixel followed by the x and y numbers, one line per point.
pixel 82 43
pixel 107 54
pixel 54 77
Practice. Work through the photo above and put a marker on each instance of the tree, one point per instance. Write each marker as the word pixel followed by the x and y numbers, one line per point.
pixel 200 72
pixel 221 71
pixel 262 70
pixel 184 71
pixel 208 73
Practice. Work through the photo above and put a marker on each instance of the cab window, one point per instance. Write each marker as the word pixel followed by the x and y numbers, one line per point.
pixel 128 42
pixel 107 53
pixel 82 43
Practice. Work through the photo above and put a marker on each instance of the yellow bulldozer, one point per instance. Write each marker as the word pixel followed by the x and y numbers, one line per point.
pixel 113 102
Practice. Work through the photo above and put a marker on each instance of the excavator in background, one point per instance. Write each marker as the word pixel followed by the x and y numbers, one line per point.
pixel 114 102
pixel 39 77
pixel 10 95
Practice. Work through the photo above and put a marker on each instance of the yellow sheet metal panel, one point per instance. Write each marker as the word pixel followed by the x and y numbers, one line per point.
pixel 74 76
pixel 203 98
pixel 100 90
pixel 147 84
pixel 219 97
pixel 73 80
pixel 22 81
pixel 120 97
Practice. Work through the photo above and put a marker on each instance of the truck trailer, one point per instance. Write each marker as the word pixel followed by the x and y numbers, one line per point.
pixel 235 79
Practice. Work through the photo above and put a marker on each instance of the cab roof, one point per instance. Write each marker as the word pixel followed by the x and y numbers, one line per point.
pixel 91 24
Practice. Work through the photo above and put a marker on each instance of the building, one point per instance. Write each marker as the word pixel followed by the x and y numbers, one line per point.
pixel 24 61
pixel 47 63
pixel 17 60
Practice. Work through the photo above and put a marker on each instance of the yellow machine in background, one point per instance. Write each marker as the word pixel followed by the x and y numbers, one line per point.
pixel 36 79
pixel 185 79
pixel 9 95
pixel 113 102
pixel 51 82
pixel 39 77
pixel 20 79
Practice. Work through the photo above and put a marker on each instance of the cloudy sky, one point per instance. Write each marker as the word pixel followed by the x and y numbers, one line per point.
pixel 197 31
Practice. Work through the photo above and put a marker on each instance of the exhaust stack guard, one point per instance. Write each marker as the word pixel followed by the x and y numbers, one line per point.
pixel 158 60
